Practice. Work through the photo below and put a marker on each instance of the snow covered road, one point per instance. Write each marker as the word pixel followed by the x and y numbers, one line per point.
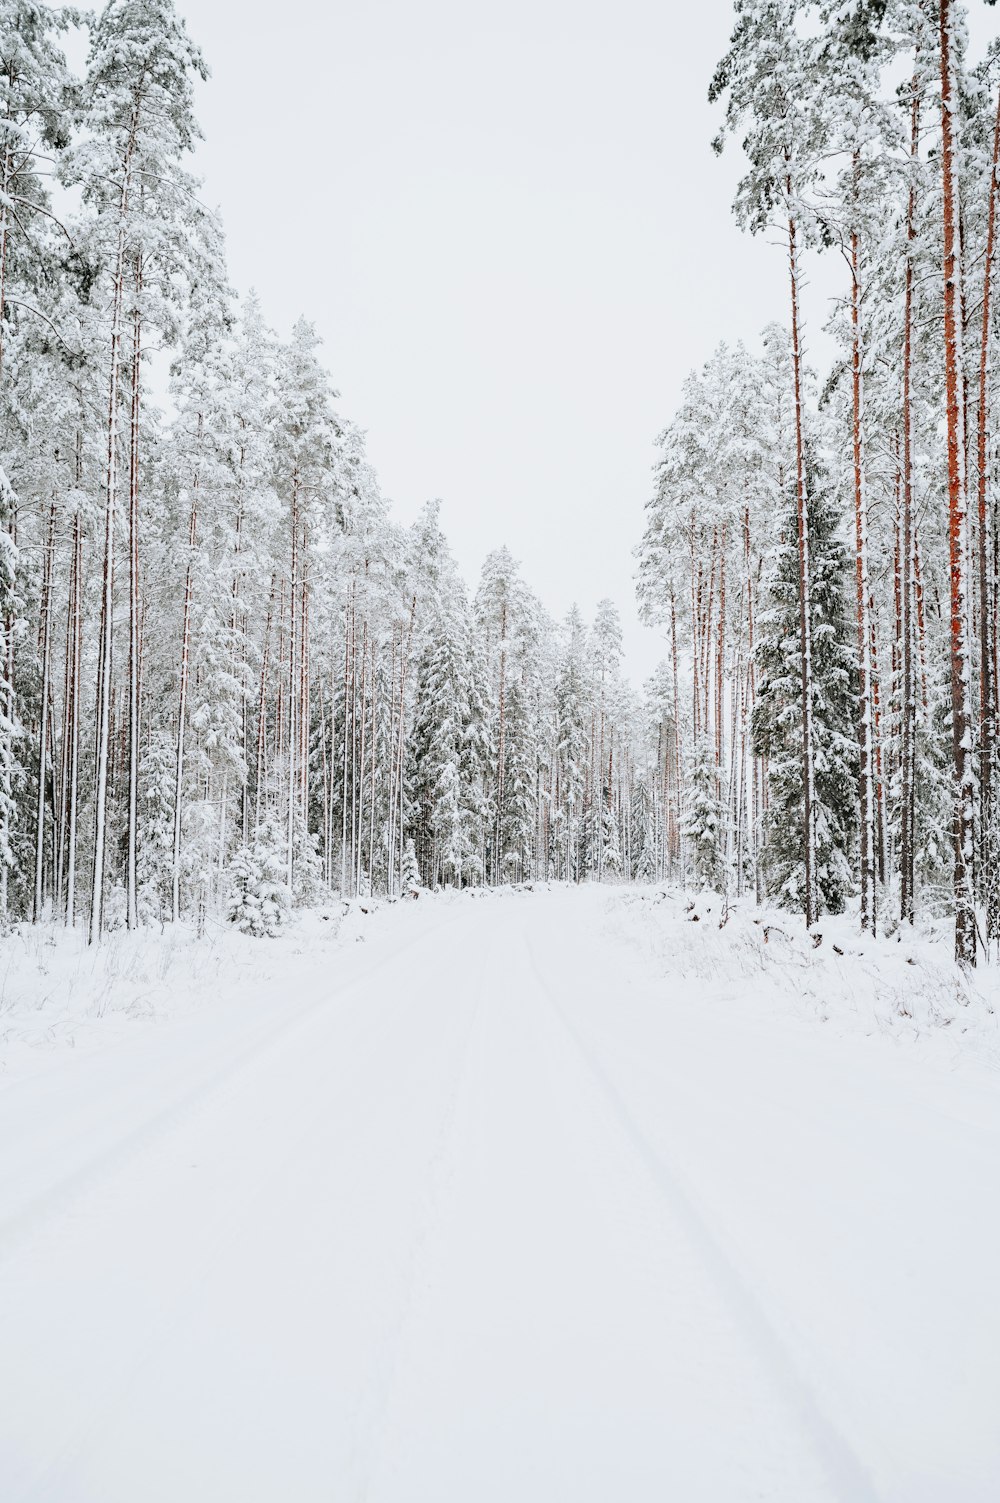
pixel 490 1213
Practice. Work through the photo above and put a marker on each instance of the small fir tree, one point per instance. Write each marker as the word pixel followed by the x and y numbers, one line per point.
pixel 259 901
pixel 704 824
pixel 411 870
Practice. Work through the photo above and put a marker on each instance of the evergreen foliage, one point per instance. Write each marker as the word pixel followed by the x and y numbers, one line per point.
pixel 259 901
pixel 777 714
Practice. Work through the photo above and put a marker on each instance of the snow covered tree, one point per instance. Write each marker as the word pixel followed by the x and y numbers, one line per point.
pixel 437 747
pixel 36 99
pixel 572 749
pixel 705 822
pixel 777 716
pixel 958 514
pixel 260 901
pixel 410 870
pixel 156 824
pixel 770 77
pixel 220 601
pixel 139 123
pixel 10 728
pixel 507 621
pixel 305 430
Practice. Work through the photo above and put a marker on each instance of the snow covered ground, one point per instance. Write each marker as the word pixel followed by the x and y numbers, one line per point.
pixel 528 1197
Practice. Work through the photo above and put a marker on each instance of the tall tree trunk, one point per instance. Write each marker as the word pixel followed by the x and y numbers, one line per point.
pixel 359 833
pixel 73 713
pixel 502 747
pixel 325 768
pixel 909 723
pixel 260 776
pixel 343 796
pixel 354 735
pixel 866 745
pixel 990 837
pixel 5 207
pixel 63 794
pixel 175 884
pixel 304 685
pixel 239 650
pixel 805 592
pixel 293 686
pixel 7 705
pixel 677 850
pixel 401 753
pixel 43 716
pixel 372 773
pixel 720 657
pixel 110 505
pixel 132 916
pixel 958 519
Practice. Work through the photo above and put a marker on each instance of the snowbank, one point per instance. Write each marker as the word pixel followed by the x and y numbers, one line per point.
pixel 905 986
pixel 58 992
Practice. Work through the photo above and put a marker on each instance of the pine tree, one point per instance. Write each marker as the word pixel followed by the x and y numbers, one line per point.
pixel 958 517
pixel 305 431
pixel 770 77
pixel 139 124
pixel 36 99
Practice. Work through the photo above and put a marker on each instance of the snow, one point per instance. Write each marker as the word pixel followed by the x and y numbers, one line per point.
pixel 526 1195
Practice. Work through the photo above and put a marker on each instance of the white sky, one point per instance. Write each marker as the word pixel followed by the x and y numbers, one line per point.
pixel 509 228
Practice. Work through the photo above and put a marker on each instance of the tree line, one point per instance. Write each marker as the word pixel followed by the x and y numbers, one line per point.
pixel 230 681
pixel 826 555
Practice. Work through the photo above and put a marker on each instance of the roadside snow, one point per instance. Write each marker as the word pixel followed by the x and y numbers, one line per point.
pixel 904 986
pixel 57 992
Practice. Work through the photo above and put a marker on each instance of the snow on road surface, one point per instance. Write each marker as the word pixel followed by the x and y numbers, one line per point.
pixel 488 1210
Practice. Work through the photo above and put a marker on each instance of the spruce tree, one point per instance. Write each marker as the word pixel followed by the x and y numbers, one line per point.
pixel 572 750
pixel 259 899
pixel 704 821
pixel 777 729
pixel 439 747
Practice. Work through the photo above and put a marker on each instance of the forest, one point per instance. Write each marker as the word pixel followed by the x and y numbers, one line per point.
pixel 231 681
pixel 823 547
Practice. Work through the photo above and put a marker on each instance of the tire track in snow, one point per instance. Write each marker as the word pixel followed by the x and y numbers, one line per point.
pixel 20 1226
pixel 367 1455
pixel 238 1207
pixel 847 1476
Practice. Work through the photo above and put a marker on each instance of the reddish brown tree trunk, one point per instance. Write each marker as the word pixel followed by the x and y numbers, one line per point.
pixel 811 904
pixel 909 697
pixel 958 550
pixel 43 725
pixel 175 884
pixel 132 916
pixel 866 721
pixel 988 702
